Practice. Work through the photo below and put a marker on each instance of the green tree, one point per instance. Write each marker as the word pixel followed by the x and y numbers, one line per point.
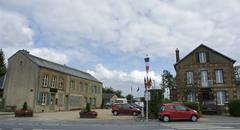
pixel 111 90
pixel 129 97
pixel 168 81
pixel 2 64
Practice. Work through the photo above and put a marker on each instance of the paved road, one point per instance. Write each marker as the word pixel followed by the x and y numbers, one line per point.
pixel 88 124
pixel 105 121
pixel 207 123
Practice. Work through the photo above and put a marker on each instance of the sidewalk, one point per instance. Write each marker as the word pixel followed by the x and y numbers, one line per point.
pixel 6 113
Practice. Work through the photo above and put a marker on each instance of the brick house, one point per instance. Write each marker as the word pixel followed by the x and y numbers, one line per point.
pixel 205 75
pixel 48 86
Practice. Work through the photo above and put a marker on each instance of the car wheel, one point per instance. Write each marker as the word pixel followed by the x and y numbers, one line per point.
pixel 115 113
pixel 194 118
pixel 166 118
pixel 134 113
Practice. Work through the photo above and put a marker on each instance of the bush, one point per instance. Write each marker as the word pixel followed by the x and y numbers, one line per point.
pixel 192 105
pixel 25 106
pixel 88 107
pixel 154 103
pixel 234 107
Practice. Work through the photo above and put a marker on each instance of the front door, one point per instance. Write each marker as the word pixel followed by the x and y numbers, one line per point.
pixel 66 103
pixel 52 103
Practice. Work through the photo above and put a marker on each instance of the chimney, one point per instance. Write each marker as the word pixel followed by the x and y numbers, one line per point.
pixel 177 55
pixel 25 51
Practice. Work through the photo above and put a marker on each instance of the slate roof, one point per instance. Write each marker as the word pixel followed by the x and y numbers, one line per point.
pixel 202 45
pixel 107 95
pixel 58 67
pixel 1 82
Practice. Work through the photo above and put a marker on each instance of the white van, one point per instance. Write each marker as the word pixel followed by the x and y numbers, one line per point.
pixel 121 100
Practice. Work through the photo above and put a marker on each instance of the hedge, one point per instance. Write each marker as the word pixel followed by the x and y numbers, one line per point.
pixel 234 107
pixel 192 105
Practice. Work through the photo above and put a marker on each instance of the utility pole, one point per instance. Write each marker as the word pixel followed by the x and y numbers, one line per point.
pixel 147 82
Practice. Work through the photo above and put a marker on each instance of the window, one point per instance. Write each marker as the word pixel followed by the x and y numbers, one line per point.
pixel 61 83
pixel 191 97
pixel 181 108
pixel 72 85
pixel 45 81
pixel 86 87
pixel 81 87
pixel 54 80
pixel 190 77
pixel 44 99
pixel 202 57
pixel 204 78
pixel 221 97
pixel 219 76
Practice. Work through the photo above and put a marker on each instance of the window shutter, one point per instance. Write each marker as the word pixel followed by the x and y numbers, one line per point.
pixel 48 98
pixel 39 99
pixel 197 57
pixel 207 56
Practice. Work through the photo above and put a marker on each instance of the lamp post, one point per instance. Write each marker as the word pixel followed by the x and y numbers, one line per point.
pixel 147 84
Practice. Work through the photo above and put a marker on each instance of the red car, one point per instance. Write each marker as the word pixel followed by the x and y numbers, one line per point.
pixel 125 109
pixel 177 112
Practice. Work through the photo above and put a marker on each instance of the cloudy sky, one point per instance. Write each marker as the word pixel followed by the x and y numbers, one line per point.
pixel 110 38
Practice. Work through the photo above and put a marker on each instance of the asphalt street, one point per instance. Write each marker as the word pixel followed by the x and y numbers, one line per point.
pixel 105 121
pixel 81 124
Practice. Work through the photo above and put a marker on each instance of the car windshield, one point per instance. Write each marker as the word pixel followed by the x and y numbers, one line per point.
pixel 162 108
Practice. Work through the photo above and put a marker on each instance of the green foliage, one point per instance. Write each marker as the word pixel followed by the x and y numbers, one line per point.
pixel 234 107
pixel 168 81
pixel 111 90
pixel 88 107
pixel 166 101
pixel 2 64
pixel 129 97
pixel 192 105
pixel 25 106
pixel 155 102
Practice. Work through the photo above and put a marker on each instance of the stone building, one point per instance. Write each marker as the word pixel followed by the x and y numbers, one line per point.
pixel 48 86
pixel 205 75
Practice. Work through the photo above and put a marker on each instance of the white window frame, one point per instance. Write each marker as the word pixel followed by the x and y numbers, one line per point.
pixel 45 80
pixel 44 99
pixel 191 97
pixel 202 57
pixel 53 83
pixel 189 77
pixel 61 83
pixel 221 97
pixel 204 78
pixel 219 76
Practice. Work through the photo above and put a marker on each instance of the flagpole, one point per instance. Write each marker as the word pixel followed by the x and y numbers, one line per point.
pixel 147 59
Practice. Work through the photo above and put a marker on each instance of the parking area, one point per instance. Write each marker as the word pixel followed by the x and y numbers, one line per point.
pixel 103 114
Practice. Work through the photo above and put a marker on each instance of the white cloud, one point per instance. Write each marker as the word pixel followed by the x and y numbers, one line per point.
pixel 14 30
pixel 155 27
pixel 50 54
pixel 123 81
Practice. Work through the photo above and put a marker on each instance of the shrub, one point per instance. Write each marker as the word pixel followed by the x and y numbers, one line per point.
pixel 25 106
pixel 234 107
pixel 88 107
pixel 192 105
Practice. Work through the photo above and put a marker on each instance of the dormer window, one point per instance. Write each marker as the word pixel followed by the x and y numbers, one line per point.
pixel 202 57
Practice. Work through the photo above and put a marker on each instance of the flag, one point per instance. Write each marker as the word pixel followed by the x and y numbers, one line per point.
pixel 138 89
pixel 147 68
pixel 147 59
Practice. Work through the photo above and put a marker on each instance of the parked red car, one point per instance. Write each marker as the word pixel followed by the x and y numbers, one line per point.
pixel 177 112
pixel 125 109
